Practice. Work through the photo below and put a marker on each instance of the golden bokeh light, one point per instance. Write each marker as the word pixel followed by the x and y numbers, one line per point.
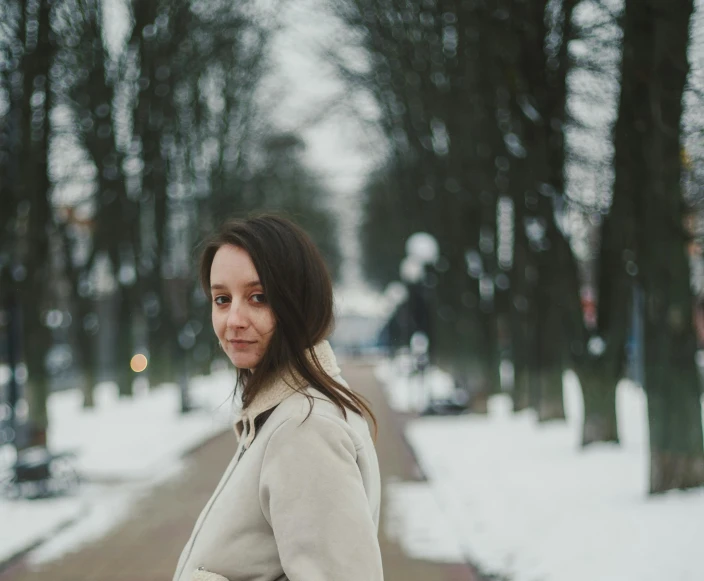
pixel 138 363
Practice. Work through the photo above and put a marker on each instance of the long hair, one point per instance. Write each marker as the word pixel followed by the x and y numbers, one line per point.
pixel 298 288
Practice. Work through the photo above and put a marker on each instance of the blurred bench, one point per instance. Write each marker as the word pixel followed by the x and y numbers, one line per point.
pixel 39 473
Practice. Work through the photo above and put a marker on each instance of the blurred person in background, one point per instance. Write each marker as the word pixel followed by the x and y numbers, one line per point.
pixel 300 499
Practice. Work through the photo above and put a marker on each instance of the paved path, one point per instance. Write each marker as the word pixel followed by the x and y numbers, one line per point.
pixel 146 546
pixel 397 463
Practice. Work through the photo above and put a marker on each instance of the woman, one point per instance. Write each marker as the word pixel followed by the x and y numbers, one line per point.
pixel 300 499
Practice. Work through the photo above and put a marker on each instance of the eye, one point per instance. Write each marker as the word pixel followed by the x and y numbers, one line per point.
pixel 259 298
pixel 220 300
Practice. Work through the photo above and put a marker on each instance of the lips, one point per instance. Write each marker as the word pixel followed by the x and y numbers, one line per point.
pixel 240 342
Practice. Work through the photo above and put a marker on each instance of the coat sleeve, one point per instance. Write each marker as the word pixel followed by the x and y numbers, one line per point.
pixel 312 495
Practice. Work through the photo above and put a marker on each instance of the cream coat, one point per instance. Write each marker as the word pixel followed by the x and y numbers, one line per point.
pixel 300 499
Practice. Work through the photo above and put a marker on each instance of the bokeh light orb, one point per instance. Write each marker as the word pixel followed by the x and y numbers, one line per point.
pixel 138 363
pixel 423 247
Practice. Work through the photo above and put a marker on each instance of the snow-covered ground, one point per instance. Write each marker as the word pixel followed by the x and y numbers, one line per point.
pixel 124 447
pixel 524 501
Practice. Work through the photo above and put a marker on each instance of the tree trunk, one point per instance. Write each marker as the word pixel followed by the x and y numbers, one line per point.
pixel 86 336
pixel 88 389
pixel 123 343
pixel 37 388
pixel 88 350
pixel 656 38
pixel 598 382
pixel 520 350
pixel 537 180
pixel 521 390
pixel 551 405
pixel 671 376
pixel 548 366
pixel 33 193
pixel 522 322
pixel 184 378
pixel 161 353
pixel 676 457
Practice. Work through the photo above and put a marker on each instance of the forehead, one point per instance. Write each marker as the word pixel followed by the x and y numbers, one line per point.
pixel 232 265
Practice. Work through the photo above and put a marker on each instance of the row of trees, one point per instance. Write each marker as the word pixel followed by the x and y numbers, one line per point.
pixel 541 143
pixel 127 134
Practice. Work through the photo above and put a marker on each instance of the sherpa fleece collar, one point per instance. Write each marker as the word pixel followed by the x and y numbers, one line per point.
pixel 282 387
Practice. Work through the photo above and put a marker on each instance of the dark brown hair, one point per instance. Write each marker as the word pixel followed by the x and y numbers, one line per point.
pixel 298 288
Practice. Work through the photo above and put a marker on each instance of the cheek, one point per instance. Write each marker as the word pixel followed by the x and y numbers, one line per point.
pixel 218 322
pixel 264 322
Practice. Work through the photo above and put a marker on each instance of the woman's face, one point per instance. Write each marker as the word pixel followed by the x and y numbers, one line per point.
pixel 242 318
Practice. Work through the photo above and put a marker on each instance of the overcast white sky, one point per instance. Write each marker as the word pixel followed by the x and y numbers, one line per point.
pixel 339 147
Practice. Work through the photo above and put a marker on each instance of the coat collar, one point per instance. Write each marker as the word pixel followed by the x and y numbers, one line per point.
pixel 281 387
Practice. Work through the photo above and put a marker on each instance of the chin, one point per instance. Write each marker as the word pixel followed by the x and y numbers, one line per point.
pixel 247 362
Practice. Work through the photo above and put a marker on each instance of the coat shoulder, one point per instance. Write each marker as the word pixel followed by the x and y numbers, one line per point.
pixel 311 403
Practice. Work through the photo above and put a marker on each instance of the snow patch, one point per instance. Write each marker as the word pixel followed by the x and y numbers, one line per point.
pixel 525 501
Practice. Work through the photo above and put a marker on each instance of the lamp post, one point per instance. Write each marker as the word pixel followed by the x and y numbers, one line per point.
pixel 395 295
pixel 422 251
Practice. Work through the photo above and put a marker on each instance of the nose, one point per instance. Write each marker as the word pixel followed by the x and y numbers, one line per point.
pixel 236 317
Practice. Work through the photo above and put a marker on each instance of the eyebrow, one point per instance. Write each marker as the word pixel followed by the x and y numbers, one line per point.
pixel 250 284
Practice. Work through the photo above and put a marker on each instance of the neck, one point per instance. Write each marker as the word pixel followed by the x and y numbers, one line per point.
pixel 283 385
